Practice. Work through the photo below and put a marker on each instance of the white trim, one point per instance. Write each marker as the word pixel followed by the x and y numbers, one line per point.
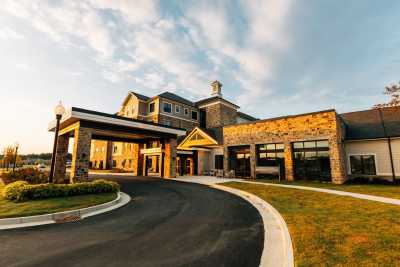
pixel 162 107
pixel 176 117
pixel 151 150
pixel 219 102
pixel 362 154
pixel 185 152
pixel 179 107
pixel 115 121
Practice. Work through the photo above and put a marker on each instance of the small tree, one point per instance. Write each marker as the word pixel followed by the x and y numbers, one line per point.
pixel 8 156
pixel 393 91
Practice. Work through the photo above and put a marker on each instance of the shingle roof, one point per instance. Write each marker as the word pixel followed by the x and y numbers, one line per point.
pixel 141 97
pixel 246 116
pixel 174 97
pixel 367 124
pixel 212 99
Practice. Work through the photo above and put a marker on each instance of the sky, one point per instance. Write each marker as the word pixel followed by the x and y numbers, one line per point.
pixel 273 57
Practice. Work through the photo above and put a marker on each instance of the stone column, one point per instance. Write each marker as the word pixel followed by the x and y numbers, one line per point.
pixel 170 158
pixel 226 161
pixel 337 161
pixel 81 155
pixel 138 159
pixel 61 159
pixel 289 162
pixel 253 161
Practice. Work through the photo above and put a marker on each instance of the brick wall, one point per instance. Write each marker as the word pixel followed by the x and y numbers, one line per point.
pixel 313 126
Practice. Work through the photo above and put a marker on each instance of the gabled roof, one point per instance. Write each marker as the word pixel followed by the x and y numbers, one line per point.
pixel 139 96
pixel 213 99
pixel 176 98
pixel 367 124
pixel 200 137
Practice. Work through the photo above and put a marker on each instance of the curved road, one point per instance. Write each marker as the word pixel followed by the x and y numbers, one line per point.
pixel 168 223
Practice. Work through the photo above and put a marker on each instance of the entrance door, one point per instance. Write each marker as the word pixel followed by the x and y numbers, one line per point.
pixel 153 165
pixel 239 159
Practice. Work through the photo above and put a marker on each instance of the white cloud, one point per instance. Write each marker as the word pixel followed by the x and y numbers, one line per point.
pixel 8 33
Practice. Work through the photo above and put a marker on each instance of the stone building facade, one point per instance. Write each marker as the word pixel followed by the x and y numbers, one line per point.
pixel 221 140
pixel 324 125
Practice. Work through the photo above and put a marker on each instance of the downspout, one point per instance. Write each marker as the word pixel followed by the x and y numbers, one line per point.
pixel 389 145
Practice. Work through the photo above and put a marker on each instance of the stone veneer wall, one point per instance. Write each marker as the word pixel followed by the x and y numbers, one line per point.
pixel 81 155
pixel 312 126
pixel 219 115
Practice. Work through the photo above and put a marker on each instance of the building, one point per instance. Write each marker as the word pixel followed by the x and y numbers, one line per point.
pixel 321 145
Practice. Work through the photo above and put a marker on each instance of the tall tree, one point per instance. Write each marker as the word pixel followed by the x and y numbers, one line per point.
pixel 393 91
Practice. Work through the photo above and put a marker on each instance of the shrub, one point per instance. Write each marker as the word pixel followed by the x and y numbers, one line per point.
pixel 14 190
pixel 30 175
pixel 21 190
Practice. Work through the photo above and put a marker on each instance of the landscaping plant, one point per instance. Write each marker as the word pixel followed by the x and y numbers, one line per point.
pixel 22 191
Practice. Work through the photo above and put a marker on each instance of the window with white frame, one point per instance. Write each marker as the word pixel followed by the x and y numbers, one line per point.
pixel 167 107
pixel 186 111
pixel 177 109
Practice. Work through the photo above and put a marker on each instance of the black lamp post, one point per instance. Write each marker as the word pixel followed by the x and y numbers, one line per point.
pixel 15 156
pixel 59 111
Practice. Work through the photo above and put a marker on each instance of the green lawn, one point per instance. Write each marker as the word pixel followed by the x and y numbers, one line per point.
pixel 331 230
pixel 10 209
pixel 392 191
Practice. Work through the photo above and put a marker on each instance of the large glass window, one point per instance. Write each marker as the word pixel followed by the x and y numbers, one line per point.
pixel 363 164
pixel 270 154
pixel 311 160
pixel 167 107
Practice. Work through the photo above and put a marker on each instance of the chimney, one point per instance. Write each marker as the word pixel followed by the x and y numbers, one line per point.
pixel 216 88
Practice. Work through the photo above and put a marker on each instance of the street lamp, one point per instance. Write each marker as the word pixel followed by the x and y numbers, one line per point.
pixel 58 111
pixel 15 155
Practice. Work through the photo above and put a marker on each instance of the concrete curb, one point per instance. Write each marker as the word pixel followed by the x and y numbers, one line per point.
pixel 278 249
pixel 386 200
pixel 110 174
pixel 11 223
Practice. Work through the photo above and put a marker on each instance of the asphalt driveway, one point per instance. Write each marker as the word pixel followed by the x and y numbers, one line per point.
pixel 168 223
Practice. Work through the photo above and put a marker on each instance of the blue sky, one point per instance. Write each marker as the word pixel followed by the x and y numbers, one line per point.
pixel 273 57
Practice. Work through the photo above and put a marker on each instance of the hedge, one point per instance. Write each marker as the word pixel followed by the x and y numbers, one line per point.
pixel 22 191
pixel 30 175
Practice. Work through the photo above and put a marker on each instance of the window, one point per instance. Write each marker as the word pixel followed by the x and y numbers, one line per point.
pixel 102 149
pixel 167 122
pixel 167 107
pixel 177 109
pixel 114 162
pixel 363 164
pixel 270 154
pixel 311 160
pixel 151 107
pixel 194 115
pixel 186 111
pixel 219 162
pixel 115 149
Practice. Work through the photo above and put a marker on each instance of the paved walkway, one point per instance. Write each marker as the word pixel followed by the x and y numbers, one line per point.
pixel 209 180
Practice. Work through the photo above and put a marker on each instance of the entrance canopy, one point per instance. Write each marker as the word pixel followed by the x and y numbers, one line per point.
pixel 85 125
pixel 111 127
